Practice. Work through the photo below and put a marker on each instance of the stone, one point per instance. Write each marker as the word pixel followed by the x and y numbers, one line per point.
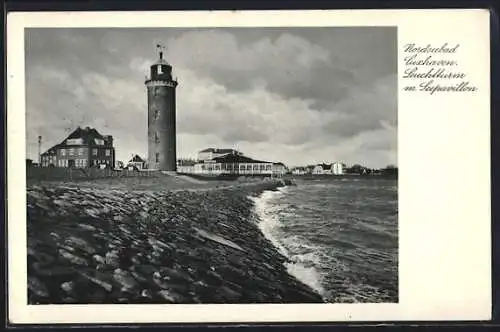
pixel 112 259
pixel 214 275
pixel 135 260
pixel 171 296
pixel 118 218
pixel 55 236
pixel 125 229
pixel 174 274
pixel 98 259
pixel 61 203
pixel 92 212
pixel 125 279
pixel 80 244
pixel 68 286
pixel 146 294
pixel 138 277
pixel 37 287
pixel 73 258
pixel 98 279
pixel 87 227
pixel 162 283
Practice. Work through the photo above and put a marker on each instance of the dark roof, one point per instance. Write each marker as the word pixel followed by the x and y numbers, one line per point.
pixel 325 166
pixel 185 162
pixel 88 135
pixel 234 158
pixel 219 150
pixel 136 159
pixel 85 133
pixel 52 150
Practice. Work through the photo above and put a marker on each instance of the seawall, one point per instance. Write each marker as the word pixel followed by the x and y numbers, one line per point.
pixel 184 246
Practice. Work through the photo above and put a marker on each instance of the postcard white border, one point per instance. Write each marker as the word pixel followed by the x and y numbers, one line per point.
pixel 443 158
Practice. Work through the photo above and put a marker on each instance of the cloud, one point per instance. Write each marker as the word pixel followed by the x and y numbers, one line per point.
pixel 365 108
pixel 289 65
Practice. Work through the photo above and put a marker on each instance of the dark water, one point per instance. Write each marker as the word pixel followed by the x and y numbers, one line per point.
pixel 340 233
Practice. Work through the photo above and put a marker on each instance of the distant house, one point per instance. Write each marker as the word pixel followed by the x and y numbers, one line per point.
pixel 299 170
pixel 49 157
pixel 211 153
pixel 84 147
pixel 337 168
pixel 119 164
pixel 136 162
pixel 322 169
pixel 279 169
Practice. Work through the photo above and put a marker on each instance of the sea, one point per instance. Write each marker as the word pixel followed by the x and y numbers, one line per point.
pixel 339 233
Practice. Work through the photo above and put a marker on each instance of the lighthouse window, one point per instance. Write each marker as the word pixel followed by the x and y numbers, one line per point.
pixel 157 157
pixel 157 138
pixel 160 69
pixel 156 114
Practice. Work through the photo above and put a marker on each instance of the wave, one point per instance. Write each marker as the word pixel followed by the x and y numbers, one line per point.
pixel 302 256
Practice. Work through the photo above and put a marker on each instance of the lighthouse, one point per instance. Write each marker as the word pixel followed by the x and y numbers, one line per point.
pixel 161 116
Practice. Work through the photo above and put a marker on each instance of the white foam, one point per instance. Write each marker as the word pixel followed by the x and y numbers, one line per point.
pixel 268 221
pixel 302 265
pixel 308 275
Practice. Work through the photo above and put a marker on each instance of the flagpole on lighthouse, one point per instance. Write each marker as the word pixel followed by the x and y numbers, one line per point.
pixel 160 49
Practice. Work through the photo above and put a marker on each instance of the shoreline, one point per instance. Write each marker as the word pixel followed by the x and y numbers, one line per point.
pixel 192 245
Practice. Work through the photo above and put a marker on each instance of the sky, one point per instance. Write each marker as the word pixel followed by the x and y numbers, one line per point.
pixel 300 96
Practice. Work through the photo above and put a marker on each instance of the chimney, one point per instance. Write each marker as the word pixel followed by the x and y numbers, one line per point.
pixel 108 139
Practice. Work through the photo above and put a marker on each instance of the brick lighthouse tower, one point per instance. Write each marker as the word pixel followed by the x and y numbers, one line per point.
pixel 161 116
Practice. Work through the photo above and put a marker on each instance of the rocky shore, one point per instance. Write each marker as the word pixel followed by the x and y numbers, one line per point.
pixel 88 245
